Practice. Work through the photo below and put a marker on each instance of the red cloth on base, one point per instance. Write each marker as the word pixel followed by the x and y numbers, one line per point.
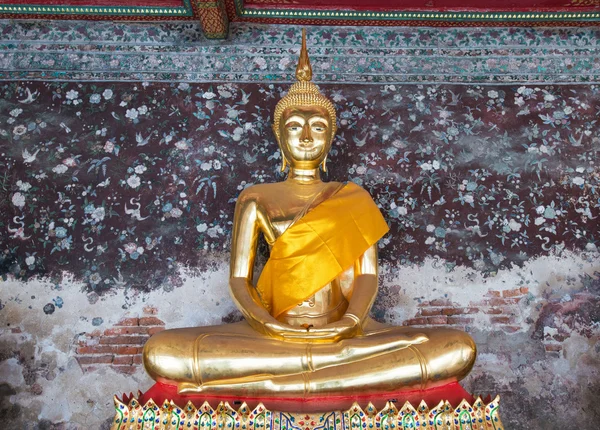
pixel 452 392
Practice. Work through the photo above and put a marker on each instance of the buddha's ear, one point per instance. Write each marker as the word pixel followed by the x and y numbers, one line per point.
pixel 275 132
pixel 283 159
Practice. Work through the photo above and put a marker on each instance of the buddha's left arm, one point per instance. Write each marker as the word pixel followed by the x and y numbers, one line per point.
pixel 364 289
pixel 361 298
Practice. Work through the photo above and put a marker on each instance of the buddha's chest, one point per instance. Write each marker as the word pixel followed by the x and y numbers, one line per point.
pixel 284 206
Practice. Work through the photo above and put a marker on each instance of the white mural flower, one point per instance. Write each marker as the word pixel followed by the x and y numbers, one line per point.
pixel 19 130
pixel 60 169
pixel 140 169
pixel 72 95
pixel 131 113
pixel 134 181
pixel 23 186
pixel 18 200
pixel 16 112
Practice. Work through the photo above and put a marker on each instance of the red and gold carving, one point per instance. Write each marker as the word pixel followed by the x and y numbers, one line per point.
pixel 213 18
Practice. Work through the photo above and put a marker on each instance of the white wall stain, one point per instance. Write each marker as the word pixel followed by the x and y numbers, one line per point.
pixel 85 399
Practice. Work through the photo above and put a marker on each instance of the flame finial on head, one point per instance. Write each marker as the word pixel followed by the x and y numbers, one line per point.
pixel 303 70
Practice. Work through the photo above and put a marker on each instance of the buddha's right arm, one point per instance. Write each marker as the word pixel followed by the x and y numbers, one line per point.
pixel 256 315
pixel 246 228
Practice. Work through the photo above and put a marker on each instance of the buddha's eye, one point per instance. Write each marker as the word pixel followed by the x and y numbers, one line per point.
pixel 318 126
pixel 294 127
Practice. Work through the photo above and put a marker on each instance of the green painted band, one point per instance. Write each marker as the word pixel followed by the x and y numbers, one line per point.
pixel 349 15
pixel 186 10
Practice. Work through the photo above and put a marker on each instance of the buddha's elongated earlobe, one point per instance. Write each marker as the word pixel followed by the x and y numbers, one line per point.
pixel 324 164
pixel 283 162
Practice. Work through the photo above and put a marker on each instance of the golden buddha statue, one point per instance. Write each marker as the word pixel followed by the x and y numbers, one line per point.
pixel 307 330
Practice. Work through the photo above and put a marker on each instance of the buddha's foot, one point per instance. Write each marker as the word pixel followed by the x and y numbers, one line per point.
pixel 189 388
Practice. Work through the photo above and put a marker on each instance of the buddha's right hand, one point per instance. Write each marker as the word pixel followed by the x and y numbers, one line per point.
pixel 281 331
pixel 344 328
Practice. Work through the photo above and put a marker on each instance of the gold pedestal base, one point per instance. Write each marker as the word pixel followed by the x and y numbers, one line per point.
pixel 169 416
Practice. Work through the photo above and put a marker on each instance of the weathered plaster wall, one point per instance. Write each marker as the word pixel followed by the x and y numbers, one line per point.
pixel 124 150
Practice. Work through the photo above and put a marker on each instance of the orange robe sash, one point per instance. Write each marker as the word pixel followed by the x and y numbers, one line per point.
pixel 318 247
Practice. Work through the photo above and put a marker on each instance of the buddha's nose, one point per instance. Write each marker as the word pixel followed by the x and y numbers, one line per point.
pixel 306 136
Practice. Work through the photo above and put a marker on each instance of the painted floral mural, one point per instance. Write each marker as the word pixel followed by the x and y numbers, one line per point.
pixel 123 183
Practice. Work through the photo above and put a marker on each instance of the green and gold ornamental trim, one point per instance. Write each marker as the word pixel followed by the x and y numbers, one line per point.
pixel 26 9
pixel 351 15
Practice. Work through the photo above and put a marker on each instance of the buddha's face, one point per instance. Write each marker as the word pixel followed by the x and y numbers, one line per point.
pixel 305 135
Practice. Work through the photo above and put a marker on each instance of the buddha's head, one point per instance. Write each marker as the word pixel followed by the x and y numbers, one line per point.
pixel 304 120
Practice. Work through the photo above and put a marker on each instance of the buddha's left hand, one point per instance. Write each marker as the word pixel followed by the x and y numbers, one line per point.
pixel 348 326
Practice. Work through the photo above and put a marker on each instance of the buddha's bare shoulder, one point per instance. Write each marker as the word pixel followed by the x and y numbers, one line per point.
pixel 258 192
pixel 263 193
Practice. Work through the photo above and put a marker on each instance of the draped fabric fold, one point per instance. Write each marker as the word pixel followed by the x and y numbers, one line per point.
pixel 318 247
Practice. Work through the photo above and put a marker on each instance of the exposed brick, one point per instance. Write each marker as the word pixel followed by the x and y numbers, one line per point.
pixel 95 333
pixel 492 293
pixel 494 311
pixel 513 300
pixel 496 301
pixel 423 304
pixel 150 310
pixel 151 321
pixel 108 349
pixel 154 330
pixel 502 319
pixel 553 347
pixel 95 359
pixel 512 293
pixel 128 322
pixel 427 312
pixel 524 290
pixel 124 340
pixel 416 321
pixel 459 311
pixel 510 328
pixel 126 350
pixel 460 320
pixel 440 302
pixel 127 370
pixel 440 319
pixel 137 359
pixel 125 330
pixel 125 359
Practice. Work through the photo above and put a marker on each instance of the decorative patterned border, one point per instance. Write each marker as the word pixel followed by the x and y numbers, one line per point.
pixel 238 11
pixel 134 416
pixel 108 11
pixel 91 51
